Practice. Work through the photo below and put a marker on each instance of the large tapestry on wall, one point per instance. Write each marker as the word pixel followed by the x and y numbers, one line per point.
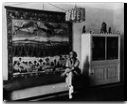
pixel 38 43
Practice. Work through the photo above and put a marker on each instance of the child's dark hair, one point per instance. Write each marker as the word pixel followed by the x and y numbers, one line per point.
pixel 74 53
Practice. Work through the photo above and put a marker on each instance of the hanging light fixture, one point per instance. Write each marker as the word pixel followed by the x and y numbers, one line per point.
pixel 75 15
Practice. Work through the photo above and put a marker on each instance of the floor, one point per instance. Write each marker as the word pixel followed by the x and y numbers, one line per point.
pixel 103 93
pixel 108 93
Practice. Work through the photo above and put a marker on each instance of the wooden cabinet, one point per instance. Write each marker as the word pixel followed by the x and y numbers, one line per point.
pixel 100 58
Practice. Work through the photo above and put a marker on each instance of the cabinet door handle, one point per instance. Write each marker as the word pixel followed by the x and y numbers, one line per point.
pixel 91 73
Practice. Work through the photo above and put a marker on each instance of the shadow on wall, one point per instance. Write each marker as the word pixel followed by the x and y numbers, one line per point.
pixel 85 79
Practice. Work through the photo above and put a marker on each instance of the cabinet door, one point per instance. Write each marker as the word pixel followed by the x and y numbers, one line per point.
pixel 98 73
pixel 112 72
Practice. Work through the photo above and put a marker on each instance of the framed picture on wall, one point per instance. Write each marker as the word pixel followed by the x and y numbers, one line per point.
pixel 38 44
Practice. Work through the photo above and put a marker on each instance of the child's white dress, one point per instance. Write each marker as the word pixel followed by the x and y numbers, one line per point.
pixel 69 76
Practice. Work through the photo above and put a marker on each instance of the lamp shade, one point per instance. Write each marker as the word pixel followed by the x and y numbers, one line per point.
pixel 75 15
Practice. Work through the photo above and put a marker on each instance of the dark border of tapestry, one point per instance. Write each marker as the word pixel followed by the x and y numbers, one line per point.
pixel 31 14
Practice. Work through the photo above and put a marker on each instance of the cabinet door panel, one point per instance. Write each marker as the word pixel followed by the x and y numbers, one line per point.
pixel 98 73
pixel 112 47
pixel 112 73
pixel 98 48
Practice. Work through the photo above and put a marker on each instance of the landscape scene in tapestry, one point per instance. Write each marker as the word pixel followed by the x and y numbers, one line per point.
pixel 39 47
